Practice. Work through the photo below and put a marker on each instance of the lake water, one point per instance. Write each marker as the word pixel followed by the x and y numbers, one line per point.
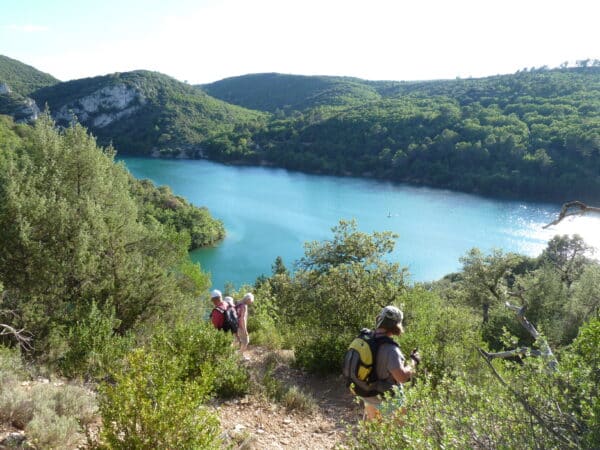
pixel 272 212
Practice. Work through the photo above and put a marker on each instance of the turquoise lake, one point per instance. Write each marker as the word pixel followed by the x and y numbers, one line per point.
pixel 272 212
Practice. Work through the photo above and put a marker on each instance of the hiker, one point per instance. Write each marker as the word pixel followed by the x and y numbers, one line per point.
pixel 390 365
pixel 242 312
pixel 223 316
pixel 229 300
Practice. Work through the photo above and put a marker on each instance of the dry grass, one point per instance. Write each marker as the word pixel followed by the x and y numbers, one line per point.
pixel 53 415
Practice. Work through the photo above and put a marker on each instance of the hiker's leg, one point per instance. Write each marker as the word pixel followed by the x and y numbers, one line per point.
pixel 371 408
pixel 371 412
pixel 243 338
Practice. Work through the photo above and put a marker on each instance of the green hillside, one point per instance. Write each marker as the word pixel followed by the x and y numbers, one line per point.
pixel 166 117
pixel 531 134
pixel 274 92
pixel 21 78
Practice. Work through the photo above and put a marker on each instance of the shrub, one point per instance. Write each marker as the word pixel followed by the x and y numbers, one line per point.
pixel 321 353
pixel 16 407
pixel 50 430
pixel 205 354
pixel 295 399
pixel 532 407
pixel 51 415
pixel 11 366
pixel 292 397
pixel 93 346
pixel 151 405
pixel 77 402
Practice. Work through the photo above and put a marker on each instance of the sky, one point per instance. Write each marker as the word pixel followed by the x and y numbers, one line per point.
pixel 201 41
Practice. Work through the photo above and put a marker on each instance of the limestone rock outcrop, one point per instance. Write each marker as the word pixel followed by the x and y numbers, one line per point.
pixel 22 109
pixel 103 106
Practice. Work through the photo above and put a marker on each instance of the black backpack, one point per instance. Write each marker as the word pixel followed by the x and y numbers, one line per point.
pixel 231 319
pixel 359 364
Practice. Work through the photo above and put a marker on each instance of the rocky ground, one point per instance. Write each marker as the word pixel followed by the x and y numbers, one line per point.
pixel 255 423
pixel 259 421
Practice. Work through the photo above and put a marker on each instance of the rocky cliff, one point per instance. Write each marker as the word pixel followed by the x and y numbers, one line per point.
pixel 103 107
pixel 22 109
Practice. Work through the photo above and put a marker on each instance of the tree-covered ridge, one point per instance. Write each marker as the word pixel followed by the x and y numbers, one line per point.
pixel 21 78
pixel 170 117
pixel 530 134
pixel 281 94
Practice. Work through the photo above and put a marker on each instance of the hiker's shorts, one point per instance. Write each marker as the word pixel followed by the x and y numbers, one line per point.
pixel 390 403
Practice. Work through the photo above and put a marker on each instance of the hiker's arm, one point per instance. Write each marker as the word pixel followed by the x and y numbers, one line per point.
pixel 403 373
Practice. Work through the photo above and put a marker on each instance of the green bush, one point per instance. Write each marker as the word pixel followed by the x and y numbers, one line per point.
pixel 16 406
pixel 52 415
pixel 292 397
pixel 158 395
pixel 297 400
pixel 154 405
pixel 205 353
pixel 93 347
pixel 340 287
pixel 321 353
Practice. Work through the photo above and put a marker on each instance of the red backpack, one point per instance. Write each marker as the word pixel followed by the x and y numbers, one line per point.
pixel 230 318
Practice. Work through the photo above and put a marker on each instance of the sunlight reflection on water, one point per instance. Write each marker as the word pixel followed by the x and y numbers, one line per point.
pixel 588 227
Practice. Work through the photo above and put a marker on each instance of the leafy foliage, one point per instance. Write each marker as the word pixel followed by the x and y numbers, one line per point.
pixel 150 406
pixel 534 408
pixel 160 204
pixel 338 284
pixel 73 239
pixel 157 399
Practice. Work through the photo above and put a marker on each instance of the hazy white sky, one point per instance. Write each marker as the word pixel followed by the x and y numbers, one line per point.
pixel 200 41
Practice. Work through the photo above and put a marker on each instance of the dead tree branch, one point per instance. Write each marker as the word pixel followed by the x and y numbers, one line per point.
pixel 574 208
pixel 545 349
pixel 21 336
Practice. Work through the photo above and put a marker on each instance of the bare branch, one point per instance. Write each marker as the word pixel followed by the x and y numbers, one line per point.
pixel 574 208
pixel 21 336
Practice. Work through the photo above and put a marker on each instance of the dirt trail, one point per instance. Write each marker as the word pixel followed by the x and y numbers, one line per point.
pixel 255 423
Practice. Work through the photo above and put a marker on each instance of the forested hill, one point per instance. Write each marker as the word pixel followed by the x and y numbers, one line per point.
pixel 21 78
pixel 144 112
pixel 17 82
pixel 280 94
pixel 534 134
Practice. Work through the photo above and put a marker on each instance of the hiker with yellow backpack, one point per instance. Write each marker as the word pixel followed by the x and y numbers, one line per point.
pixel 374 365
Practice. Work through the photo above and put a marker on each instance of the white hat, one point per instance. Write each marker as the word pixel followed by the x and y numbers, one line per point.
pixel 229 300
pixel 215 294
pixel 248 298
pixel 389 316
